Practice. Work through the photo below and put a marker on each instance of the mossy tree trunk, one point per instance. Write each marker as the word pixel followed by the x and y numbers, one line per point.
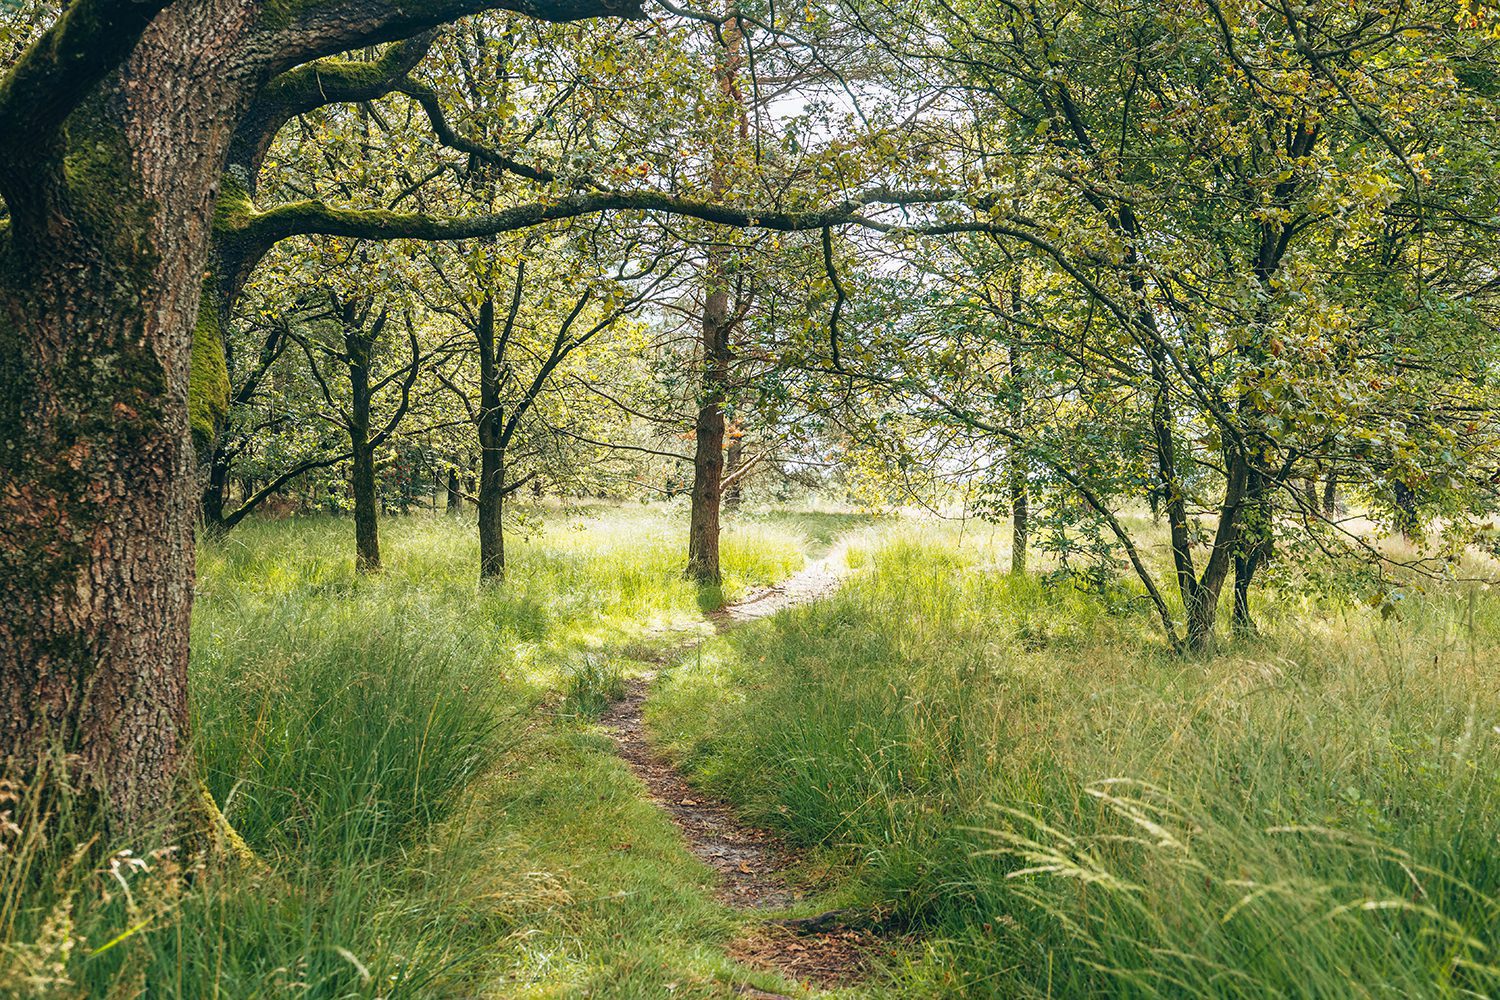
pixel 99 292
pixel 115 130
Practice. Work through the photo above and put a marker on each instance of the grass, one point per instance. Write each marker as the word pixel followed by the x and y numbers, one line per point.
pixel 1061 808
pixel 1016 772
pixel 397 749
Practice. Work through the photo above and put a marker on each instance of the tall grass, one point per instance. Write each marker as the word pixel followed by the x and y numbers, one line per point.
pixel 341 723
pixel 1066 810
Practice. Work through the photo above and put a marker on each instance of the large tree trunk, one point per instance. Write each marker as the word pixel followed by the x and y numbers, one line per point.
pixel 111 156
pixel 99 292
pixel 1331 491
pixel 491 446
pixel 708 456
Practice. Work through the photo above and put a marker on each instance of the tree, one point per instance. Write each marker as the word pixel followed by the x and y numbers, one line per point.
pixel 562 300
pixel 129 110
pixel 353 326
pixel 1208 194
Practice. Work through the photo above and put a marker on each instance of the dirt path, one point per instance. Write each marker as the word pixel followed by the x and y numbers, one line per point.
pixel 752 865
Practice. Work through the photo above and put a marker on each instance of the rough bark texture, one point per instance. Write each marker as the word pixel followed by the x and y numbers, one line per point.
pixel 99 288
pixel 116 130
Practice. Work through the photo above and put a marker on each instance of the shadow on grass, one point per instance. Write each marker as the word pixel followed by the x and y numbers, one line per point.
pixel 710 597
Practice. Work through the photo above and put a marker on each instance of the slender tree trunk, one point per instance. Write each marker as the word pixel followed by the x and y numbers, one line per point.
pixel 1020 514
pixel 1245 567
pixel 366 512
pixel 491 447
pixel 1020 505
pixel 492 517
pixel 734 456
pixel 708 456
pixel 1407 519
pixel 1331 491
pixel 215 495
pixel 1255 536
pixel 455 499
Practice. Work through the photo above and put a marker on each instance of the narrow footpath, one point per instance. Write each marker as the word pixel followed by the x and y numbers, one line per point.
pixel 752 865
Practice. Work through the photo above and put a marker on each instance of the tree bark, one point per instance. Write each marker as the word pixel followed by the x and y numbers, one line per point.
pixel 1331 492
pixel 455 500
pixel 1020 505
pixel 359 346
pixel 99 286
pixel 491 446
pixel 708 455
pixel 215 495
pixel 366 514
pixel 734 456
pixel 717 324
pixel 1254 541
pixel 116 127
pixel 1020 514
